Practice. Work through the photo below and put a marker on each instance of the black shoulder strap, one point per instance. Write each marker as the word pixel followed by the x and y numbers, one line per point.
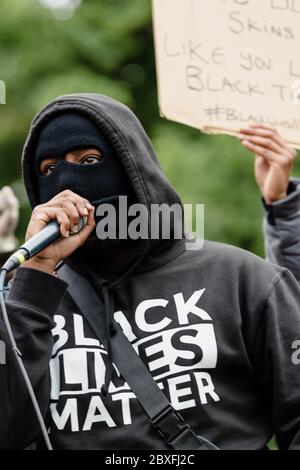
pixel 166 420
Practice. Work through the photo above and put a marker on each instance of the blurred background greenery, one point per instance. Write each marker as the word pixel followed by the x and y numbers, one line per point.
pixel 106 46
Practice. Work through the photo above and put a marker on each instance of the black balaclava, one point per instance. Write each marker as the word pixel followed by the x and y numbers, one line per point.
pixel 101 182
pixel 69 131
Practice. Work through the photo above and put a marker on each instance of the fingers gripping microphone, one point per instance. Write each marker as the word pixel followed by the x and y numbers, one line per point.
pixel 37 243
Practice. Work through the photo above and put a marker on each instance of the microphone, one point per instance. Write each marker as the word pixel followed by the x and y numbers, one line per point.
pixel 49 234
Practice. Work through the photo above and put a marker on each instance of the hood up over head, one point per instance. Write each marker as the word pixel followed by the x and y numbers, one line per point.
pixel 121 128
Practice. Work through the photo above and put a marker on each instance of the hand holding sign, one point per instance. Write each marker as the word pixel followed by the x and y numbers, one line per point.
pixel 274 160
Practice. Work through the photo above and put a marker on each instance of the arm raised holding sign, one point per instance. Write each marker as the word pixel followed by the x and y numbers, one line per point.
pixel 274 163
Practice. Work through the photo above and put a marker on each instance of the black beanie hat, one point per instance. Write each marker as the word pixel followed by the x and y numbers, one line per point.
pixel 69 131
pixel 66 132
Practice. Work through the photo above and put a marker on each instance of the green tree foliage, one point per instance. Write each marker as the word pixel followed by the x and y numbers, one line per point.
pixel 107 47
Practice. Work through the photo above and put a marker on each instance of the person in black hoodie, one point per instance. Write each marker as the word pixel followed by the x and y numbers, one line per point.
pixel 215 327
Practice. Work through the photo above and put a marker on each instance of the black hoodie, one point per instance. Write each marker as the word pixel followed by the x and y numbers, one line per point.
pixel 215 327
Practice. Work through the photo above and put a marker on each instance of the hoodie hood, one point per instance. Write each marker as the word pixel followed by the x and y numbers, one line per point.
pixel 125 133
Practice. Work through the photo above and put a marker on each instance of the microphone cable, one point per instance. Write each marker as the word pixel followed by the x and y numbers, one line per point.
pixel 38 242
pixel 18 356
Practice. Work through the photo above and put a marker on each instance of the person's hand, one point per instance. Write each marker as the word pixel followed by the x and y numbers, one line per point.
pixel 67 208
pixel 9 212
pixel 274 160
pixel 9 217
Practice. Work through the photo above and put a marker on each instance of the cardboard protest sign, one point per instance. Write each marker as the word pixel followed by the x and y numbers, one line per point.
pixel 224 64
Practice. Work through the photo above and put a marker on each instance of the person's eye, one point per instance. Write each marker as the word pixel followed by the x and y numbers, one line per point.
pixel 91 160
pixel 49 168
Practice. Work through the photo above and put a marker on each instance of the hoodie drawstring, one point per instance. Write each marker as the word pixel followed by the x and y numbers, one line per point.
pixel 105 288
pixel 110 330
